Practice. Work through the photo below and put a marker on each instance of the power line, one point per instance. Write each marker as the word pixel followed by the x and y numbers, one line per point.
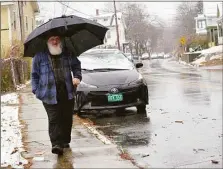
pixel 54 10
pixel 66 8
pixel 116 24
pixel 74 9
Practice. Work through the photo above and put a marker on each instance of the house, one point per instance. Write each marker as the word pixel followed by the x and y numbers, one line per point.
pixel 220 30
pixel 14 27
pixel 206 23
pixel 108 20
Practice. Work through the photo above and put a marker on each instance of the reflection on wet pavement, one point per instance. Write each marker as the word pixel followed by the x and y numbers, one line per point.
pixel 65 161
pixel 185 114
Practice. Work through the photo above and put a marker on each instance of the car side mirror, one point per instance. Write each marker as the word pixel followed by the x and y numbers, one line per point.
pixel 139 65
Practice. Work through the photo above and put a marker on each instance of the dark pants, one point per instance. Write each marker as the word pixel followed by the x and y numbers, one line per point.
pixel 60 117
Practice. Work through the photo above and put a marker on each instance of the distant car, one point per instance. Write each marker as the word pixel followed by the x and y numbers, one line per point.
pixel 159 56
pixel 166 56
pixel 145 56
pixel 154 56
pixel 136 57
pixel 110 81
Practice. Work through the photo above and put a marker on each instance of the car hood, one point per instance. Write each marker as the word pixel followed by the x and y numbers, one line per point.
pixel 110 77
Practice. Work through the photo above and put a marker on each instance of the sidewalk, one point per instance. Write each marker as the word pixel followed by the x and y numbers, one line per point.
pixel 87 151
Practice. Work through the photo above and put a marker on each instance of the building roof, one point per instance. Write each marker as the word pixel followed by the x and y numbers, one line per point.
pixel 108 19
pixel 119 14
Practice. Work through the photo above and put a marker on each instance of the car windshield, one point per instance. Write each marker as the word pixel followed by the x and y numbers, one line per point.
pixel 105 61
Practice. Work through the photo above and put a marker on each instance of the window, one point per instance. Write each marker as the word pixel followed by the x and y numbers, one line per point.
pixel 201 24
pixel 14 20
pixel 32 24
pixel 109 34
pixel 105 19
pixel 27 28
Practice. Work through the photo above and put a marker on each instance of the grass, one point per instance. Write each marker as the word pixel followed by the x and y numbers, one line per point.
pixel 213 62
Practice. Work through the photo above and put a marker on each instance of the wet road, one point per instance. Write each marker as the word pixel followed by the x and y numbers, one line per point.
pixel 183 127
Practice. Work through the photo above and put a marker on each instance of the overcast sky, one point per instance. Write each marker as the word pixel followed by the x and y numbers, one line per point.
pixel 164 10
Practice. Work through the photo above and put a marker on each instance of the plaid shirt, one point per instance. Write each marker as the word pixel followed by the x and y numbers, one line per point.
pixel 43 81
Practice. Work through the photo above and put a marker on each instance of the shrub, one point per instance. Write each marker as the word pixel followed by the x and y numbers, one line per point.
pixel 6 77
pixel 199 40
pixel 22 66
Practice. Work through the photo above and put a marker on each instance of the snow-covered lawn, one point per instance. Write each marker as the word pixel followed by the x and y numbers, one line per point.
pixel 213 53
pixel 11 138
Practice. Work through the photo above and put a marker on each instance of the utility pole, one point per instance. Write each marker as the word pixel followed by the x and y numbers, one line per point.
pixel 21 19
pixel 116 23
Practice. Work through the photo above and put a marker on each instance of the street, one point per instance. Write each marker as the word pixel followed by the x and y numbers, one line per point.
pixel 183 127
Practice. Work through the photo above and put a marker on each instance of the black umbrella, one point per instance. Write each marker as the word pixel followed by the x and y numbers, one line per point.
pixel 79 34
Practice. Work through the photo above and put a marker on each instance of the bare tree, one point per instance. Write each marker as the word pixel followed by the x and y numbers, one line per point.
pixel 109 7
pixel 199 7
pixel 185 22
pixel 141 32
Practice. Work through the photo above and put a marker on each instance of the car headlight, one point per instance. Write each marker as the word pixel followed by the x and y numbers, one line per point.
pixel 138 81
pixel 85 85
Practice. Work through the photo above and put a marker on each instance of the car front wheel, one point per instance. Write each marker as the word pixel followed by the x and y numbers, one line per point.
pixel 141 109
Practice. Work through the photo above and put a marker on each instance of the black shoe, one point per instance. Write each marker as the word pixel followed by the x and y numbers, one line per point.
pixel 66 145
pixel 57 150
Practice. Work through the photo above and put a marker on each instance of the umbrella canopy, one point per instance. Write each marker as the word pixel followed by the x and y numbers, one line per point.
pixel 79 35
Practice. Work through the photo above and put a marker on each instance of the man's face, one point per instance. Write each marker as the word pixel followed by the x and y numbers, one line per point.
pixel 54 40
pixel 54 45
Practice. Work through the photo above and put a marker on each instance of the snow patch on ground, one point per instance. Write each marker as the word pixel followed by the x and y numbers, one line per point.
pixel 212 53
pixel 199 61
pixel 214 49
pixel 11 137
pixel 21 86
pixel 185 63
pixel 217 57
pixel 11 98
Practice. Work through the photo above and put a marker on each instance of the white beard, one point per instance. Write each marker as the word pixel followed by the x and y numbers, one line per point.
pixel 55 50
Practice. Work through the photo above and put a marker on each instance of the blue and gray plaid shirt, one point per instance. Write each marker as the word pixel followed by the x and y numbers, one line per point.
pixel 43 81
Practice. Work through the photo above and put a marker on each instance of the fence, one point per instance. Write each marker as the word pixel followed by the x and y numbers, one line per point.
pixel 14 71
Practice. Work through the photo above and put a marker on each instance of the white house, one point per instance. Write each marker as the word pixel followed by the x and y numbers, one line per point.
pixel 108 20
pixel 220 30
pixel 207 23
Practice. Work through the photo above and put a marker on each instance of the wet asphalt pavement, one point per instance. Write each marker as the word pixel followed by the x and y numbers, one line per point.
pixel 183 125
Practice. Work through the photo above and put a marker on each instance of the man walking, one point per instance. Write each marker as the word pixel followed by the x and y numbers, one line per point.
pixel 53 84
